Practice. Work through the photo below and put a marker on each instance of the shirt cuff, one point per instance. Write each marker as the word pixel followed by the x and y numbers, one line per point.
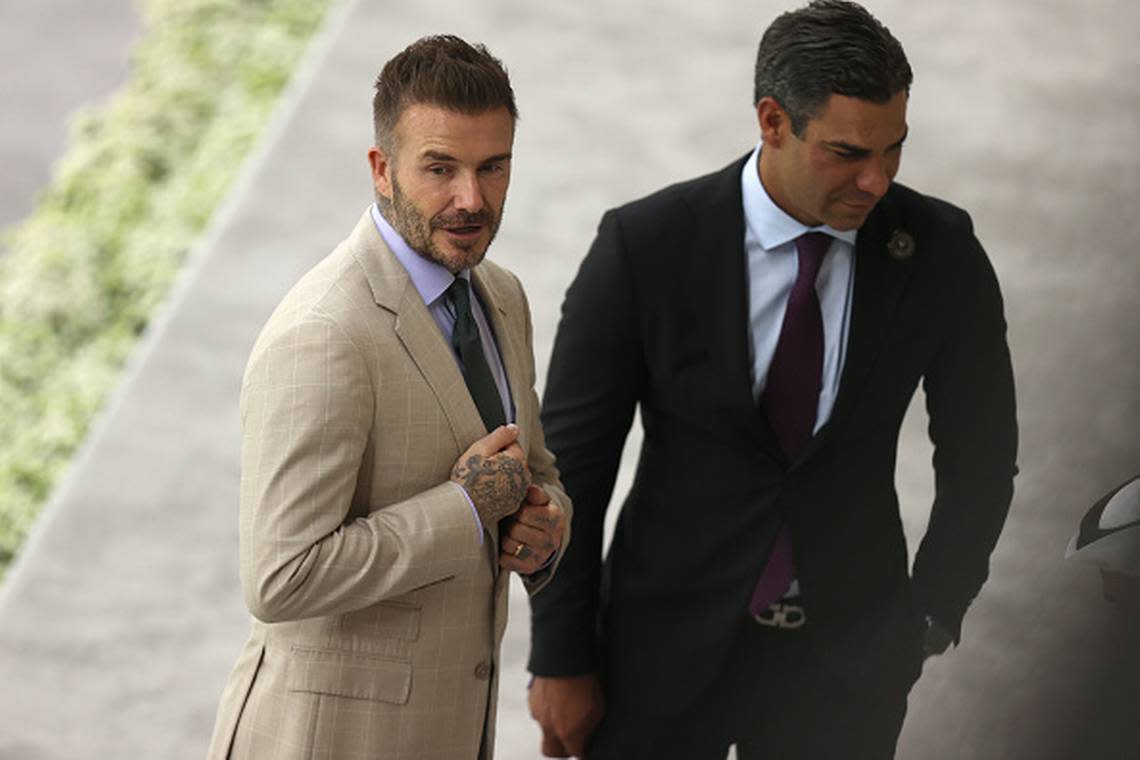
pixel 474 512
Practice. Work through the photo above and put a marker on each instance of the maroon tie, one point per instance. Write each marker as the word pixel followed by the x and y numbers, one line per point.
pixel 791 396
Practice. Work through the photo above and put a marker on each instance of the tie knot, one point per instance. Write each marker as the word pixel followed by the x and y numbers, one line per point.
pixel 811 247
pixel 460 295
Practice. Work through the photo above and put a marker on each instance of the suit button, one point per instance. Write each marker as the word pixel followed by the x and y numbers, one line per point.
pixel 483 671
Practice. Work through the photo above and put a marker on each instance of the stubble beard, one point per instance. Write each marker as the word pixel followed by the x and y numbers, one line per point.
pixel 416 230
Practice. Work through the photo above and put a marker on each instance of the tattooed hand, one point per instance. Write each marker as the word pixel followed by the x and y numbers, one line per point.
pixel 533 534
pixel 494 474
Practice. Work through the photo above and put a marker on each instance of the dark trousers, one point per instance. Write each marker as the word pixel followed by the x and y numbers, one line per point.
pixel 775 701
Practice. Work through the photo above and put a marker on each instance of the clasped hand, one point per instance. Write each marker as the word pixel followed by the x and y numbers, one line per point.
pixel 493 471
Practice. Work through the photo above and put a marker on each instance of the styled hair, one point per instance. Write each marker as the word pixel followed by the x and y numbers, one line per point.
pixel 441 70
pixel 828 47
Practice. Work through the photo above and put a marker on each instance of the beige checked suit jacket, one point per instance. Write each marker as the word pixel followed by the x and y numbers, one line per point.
pixel 377 613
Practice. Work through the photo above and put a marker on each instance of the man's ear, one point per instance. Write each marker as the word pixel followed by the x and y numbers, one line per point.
pixel 775 124
pixel 381 171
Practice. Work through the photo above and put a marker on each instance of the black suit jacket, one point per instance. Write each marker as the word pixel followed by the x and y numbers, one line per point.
pixel 657 319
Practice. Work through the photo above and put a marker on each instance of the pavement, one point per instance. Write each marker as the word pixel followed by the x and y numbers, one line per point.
pixel 121 618
pixel 55 57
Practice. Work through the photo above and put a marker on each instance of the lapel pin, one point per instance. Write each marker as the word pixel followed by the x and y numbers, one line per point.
pixel 901 245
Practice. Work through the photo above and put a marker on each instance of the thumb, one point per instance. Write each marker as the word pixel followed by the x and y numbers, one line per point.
pixel 552 747
pixel 497 440
pixel 537 495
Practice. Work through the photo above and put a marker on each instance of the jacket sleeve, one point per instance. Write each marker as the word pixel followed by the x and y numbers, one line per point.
pixel 596 372
pixel 307 409
pixel 970 401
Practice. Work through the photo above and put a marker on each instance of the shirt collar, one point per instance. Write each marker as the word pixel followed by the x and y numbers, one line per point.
pixel 769 224
pixel 431 279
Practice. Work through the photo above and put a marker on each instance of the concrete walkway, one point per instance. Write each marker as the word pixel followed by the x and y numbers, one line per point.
pixel 55 56
pixel 121 619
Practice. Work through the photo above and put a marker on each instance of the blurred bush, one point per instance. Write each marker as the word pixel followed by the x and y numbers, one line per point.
pixel 134 189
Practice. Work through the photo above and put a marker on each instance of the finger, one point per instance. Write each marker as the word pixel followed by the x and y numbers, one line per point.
pixel 535 539
pixel 547 517
pixel 575 741
pixel 575 745
pixel 519 551
pixel 536 494
pixel 552 747
pixel 526 561
pixel 531 537
pixel 497 440
pixel 514 451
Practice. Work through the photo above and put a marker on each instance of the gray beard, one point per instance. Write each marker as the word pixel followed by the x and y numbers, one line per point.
pixel 416 231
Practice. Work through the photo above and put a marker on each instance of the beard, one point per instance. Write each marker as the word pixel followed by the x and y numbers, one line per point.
pixel 417 230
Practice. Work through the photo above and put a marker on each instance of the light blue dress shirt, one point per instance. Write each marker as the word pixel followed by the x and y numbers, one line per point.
pixel 769 243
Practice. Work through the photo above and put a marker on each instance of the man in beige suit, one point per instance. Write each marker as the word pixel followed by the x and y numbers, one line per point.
pixel 378 514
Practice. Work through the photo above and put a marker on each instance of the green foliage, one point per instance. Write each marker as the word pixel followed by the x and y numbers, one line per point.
pixel 134 189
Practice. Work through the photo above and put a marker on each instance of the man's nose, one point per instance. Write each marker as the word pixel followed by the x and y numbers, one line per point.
pixel 468 195
pixel 875 178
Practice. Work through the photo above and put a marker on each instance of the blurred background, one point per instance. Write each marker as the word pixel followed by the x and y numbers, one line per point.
pixel 122 615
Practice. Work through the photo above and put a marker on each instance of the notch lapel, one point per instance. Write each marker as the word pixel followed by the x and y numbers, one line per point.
pixel 879 283
pixel 717 286
pixel 512 352
pixel 392 289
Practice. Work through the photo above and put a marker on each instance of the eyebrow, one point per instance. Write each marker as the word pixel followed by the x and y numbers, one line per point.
pixel 431 155
pixel 861 151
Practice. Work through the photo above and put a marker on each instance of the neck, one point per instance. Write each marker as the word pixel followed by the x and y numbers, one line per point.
pixel 770 180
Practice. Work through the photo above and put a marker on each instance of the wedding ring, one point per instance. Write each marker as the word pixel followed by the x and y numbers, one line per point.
pixel 518 550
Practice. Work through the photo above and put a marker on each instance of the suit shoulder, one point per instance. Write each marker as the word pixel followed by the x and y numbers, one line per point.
pixel 498 274
pixel 676 202
pixel 330 292
pixel 661 223
pixel 947 245
pixel 502 282
pixel 929 211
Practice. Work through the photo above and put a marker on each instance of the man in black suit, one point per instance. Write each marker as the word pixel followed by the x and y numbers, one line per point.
pixel 772 321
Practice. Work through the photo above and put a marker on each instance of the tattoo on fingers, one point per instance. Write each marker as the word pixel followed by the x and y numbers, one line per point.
pixel 546 521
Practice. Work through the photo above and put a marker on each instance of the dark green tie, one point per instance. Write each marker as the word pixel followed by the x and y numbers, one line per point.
pixel 476 371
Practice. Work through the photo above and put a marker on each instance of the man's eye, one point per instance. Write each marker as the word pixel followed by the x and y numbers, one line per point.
pixel 439 171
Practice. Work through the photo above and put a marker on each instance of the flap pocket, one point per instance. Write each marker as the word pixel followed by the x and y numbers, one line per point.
pixel 349 674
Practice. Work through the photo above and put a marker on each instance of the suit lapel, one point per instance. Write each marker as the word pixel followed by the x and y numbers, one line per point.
pixel 879 283
pixel 719 276
pixel 511 352
pixel 392 289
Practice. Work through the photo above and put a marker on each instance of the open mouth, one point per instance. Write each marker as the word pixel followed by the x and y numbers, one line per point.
pixel 469 230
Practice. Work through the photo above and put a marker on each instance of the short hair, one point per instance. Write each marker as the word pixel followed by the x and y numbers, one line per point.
pixel 441 70
pixel 828 47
